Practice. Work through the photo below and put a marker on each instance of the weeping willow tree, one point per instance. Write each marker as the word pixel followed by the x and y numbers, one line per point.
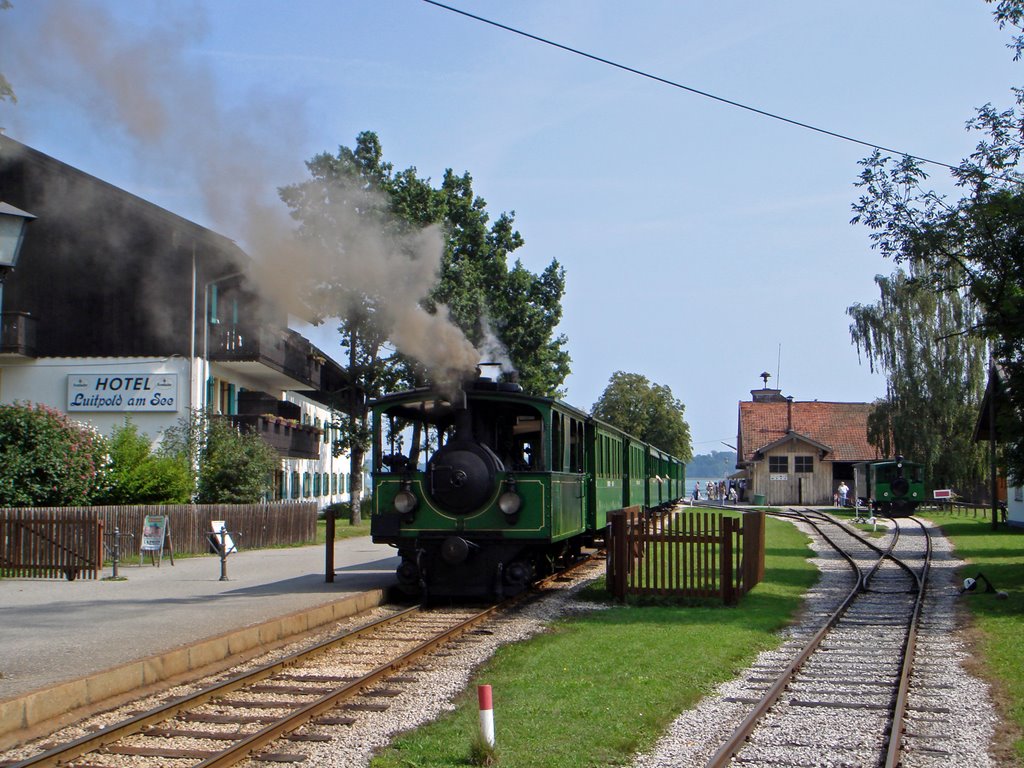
pixel 923 341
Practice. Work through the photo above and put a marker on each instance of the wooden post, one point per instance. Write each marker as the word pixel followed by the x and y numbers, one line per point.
pixel 618 554
pixel 725 560
pixel 329 554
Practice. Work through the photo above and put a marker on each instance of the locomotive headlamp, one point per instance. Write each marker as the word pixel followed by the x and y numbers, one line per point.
pixel 405 500
pixel 510 502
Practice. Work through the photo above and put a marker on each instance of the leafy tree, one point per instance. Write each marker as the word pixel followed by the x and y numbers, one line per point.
pixel 520 309
pixel 647 411
pixel 714 464
pixel 345 196
pixel 138 475
pixel 46 459
pixel 366 220
pixel 973 244
pixel 227 466
pixel 934 375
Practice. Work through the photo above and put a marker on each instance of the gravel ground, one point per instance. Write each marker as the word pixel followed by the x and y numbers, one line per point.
pixel 442 678
pixel 950 723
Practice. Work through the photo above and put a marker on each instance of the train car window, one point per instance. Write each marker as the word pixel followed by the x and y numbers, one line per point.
pixel 557 443
pixel 778 463
pixel 575 445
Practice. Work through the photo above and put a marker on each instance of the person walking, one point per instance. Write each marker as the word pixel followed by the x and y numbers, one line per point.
pixel 843 490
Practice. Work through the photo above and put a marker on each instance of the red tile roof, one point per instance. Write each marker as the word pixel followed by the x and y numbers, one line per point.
pixel 843 427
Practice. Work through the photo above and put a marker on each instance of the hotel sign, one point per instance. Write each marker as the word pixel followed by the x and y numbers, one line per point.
pixel 123 392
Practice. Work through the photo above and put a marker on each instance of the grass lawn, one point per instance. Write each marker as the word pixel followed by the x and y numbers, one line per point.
pixel 999 555
pixel 598 687
pixel 343 529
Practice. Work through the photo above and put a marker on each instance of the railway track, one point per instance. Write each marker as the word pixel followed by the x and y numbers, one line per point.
pixel 853 670
pixel 265 714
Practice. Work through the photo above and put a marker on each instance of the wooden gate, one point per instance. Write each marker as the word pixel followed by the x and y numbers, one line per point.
pixel 685 554
pixel 48 544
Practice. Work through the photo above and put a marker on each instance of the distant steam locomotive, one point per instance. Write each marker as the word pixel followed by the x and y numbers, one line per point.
pixel 488 490
pixel 893 488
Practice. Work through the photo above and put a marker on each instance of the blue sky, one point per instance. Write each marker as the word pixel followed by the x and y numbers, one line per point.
pixel 703 244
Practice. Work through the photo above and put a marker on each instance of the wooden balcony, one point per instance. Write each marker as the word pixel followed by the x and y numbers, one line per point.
pixel 280 350
pixel 289 438
pixel 18 334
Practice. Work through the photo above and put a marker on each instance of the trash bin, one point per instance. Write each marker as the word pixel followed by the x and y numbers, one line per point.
pixel 758 500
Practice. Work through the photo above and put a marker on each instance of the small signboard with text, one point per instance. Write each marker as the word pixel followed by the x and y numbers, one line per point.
pixel 156 533
pixel 942 493
pixel 123 392
pixel 221 539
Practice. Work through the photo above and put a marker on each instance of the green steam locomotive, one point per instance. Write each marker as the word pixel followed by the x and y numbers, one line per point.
pixel 487 489
pixel 893 488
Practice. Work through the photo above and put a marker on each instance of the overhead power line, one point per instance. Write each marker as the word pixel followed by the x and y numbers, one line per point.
pixel 696 91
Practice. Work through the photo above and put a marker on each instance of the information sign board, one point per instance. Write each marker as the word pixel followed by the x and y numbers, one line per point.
pixel 156 534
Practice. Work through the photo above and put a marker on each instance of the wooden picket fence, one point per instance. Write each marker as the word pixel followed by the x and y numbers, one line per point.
pixel 52 542
pixel 685 554
pixel 64 543
pixel 258 525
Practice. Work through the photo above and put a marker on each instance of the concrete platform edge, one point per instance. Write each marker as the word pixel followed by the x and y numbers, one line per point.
pixel 22 716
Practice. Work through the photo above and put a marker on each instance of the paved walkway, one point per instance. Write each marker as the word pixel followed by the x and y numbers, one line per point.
pixel 54 630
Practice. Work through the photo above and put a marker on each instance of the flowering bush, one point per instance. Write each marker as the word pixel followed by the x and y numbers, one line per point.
pixel 46 459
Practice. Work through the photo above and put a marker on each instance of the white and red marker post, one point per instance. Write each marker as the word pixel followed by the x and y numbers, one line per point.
pixel 486 714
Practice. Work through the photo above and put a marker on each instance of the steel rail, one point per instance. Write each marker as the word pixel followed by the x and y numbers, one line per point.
pixel 726 751
pixel 253 743
pixel 895 740
pixel 61 754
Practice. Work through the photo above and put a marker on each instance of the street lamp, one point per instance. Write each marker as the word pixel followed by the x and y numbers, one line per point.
pixel 12 231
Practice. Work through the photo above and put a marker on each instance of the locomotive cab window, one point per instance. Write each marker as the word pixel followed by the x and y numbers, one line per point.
pixel 411 433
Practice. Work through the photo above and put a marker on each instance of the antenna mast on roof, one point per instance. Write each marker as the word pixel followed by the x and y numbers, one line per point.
pixel 778 370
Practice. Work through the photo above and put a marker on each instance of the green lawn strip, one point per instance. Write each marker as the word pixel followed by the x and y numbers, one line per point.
pixel 999 555
pixel 603 684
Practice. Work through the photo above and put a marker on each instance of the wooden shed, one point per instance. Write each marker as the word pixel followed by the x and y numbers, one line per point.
pixel 797 452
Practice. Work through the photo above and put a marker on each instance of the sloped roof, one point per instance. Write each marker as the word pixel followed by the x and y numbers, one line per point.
pixel 841 427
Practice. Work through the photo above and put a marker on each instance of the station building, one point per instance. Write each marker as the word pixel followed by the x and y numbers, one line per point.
pixel 120 309
pixel 797 452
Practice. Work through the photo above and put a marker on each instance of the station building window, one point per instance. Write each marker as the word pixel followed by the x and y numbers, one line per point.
pixel 803 464
pixel 778 464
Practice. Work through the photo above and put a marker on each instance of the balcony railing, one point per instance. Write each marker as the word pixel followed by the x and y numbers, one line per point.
pixel 289 438
pixel 18 334
pixel 283 350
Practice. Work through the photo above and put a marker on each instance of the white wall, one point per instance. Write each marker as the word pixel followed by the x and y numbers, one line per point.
pixel 1015 504
pixel 45 380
